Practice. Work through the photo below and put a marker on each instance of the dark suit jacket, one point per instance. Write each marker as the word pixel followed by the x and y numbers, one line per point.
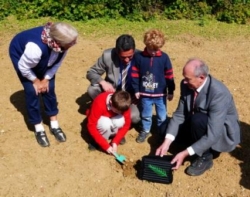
pixel 215 100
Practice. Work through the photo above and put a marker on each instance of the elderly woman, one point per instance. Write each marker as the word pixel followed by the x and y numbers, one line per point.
pixel 37 54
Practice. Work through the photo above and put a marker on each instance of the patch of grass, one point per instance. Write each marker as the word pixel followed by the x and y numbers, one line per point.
pixel 101 28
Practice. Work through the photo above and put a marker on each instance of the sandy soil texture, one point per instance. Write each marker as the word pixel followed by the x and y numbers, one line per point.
pixel 70 169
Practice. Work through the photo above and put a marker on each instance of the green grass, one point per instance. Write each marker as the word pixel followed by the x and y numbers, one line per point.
pixel 101 28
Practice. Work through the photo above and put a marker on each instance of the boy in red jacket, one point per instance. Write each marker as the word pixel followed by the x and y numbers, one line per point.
pixel 109 118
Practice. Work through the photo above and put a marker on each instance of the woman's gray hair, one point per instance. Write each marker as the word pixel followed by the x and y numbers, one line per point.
pixel 201 68
pixel 63 33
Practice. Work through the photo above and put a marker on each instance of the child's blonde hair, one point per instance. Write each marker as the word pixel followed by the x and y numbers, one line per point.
pixel 154 39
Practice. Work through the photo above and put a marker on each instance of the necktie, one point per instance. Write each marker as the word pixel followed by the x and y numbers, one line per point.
pixel 195 96
pixel 124 75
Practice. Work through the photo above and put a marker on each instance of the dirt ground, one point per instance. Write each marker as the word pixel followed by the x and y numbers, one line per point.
pixel 70 169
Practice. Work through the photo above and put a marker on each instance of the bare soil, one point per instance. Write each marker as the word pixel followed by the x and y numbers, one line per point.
pixel 70 169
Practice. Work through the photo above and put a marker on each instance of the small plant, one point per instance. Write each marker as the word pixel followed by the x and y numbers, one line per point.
pixel 159 171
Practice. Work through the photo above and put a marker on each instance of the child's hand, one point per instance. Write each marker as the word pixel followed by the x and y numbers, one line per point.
pixel 110 150
pixel 114 146
pixel 170 97
pixel 137 95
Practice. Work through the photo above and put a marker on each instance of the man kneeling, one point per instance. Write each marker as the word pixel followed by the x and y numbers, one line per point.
pixel 206 119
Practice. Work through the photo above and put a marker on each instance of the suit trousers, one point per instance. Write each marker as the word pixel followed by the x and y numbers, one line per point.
pixel 198 126
pixel 194 127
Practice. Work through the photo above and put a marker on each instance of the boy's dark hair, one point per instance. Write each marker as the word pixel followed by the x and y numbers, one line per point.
pixel 121 100
pixel 125 42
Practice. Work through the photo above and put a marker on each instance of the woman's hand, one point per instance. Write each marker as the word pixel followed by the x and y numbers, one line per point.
pixel 36 85
pixel 44 85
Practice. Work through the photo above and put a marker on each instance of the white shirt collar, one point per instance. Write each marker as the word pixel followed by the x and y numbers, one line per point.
pixel 199 89
pixel 108 101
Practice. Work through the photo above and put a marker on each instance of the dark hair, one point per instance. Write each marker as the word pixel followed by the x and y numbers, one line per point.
pixel 125 42
pixel 121 100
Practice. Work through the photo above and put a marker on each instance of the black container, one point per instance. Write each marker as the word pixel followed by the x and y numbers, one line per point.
pixel 157 169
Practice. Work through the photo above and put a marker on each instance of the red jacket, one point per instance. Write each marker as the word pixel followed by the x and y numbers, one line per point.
pixel 99 108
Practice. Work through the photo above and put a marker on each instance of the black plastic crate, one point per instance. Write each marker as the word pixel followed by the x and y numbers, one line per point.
pixel 157 169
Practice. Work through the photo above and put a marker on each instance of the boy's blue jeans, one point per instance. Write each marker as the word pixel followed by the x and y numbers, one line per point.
pixel 146 112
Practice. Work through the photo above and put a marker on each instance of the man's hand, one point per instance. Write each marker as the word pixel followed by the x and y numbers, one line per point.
pixel 179 158
pixel 106 86
pixel 163 149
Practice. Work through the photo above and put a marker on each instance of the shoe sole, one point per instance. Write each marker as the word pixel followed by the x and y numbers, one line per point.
pixel 43 145
pixel 139 141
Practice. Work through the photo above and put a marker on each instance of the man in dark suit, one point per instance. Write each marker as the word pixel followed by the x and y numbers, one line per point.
pixel 206 115
pixel 112 63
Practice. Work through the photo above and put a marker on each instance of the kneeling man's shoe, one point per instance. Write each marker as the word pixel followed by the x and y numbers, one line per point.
pixel 200 165
pixel 58 133
pixel 42 139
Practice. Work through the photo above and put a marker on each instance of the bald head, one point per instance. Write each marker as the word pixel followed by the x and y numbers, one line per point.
pixel 197 67
pixel 195 72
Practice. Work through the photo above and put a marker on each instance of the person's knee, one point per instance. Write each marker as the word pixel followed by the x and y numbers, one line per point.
pixel 104 124
pixel 135 114
pixel 30 91
pixel 118 121
pixel 135 119
pixel 93 91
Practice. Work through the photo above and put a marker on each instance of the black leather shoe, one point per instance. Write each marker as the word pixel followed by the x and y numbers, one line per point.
pixel 42 139
pixel 59 135
pixel 200 165
pixel 123 141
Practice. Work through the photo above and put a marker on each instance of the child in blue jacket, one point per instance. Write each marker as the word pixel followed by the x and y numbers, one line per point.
pixel 153 81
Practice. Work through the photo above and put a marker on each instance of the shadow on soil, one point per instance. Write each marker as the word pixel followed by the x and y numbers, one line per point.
pixel 84 102
pixel 18 101
pixel 242 153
